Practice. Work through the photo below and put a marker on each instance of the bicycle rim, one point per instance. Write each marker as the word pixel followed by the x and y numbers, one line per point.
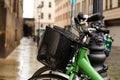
pixel 49 77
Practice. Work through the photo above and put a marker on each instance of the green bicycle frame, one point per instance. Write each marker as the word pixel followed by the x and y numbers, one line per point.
pixel 82 63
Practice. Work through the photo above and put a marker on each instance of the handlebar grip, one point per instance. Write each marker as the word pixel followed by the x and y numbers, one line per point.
pixel 95 17
pixel 80 16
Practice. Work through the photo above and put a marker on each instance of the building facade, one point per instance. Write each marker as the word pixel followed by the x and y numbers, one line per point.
pixel 11 23
pixel 111 11
pixel 63 13
pixel 84 6
pixel 44 14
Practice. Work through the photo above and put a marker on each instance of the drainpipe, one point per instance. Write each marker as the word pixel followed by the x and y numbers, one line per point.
pixel 72 14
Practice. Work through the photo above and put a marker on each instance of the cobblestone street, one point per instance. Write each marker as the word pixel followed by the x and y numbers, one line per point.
pixel 22 63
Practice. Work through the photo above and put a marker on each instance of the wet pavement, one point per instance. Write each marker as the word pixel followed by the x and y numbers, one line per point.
pixel 22 63
pixel 113 62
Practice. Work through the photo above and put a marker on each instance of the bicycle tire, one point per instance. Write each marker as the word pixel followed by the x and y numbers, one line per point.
pixel 41 71
pixel 48 77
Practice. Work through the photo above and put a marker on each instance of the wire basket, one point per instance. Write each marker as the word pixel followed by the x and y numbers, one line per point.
pixel 56 48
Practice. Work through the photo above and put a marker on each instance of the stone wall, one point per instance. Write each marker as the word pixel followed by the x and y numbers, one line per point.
pixel 12 25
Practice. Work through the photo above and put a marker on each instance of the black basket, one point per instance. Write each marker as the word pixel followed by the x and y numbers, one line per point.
pixel 56 47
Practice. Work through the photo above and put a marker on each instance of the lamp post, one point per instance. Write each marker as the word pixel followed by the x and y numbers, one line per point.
pixel 39 7
pixel 38 29
pixel 97 6
pixel 97 55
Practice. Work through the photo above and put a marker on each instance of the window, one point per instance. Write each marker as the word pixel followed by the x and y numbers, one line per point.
pixel 106 4
pixel 15 6
pixel 50 5
pixel 15 34
pixel 41 25
pixel 42 15
pixel 49 16
pixel 110 4
pixel 118 3
pixel 49 25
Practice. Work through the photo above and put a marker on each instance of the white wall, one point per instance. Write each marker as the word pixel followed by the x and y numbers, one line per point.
pixel 46 10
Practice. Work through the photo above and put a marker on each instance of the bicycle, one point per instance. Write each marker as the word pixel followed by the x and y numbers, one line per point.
pixel 74 64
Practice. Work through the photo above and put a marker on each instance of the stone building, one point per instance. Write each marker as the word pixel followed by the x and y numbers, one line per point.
pixel 44 14
pixel 11 23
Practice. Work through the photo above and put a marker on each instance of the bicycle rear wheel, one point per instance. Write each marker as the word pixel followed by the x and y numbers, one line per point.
pixel 42 70
pixel 48 77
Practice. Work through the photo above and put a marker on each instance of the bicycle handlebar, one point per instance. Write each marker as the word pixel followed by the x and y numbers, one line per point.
pixel 90 30
pixel 81 19
pixel 95 17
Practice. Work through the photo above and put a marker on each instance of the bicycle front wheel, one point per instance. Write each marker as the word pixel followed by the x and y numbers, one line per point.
pixel 49 77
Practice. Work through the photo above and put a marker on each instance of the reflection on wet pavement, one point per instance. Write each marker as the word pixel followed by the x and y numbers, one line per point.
pixel 21 63
pixel 113 62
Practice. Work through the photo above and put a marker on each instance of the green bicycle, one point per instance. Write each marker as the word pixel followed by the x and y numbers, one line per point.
pixel 65 54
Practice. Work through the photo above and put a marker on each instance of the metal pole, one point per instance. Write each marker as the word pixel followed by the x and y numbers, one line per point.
pixel 72 13
pixel 39 7
pixel 98 6
pixel 97 56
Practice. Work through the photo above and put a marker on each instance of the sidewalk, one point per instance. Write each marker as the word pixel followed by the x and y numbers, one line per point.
pixel 21 63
